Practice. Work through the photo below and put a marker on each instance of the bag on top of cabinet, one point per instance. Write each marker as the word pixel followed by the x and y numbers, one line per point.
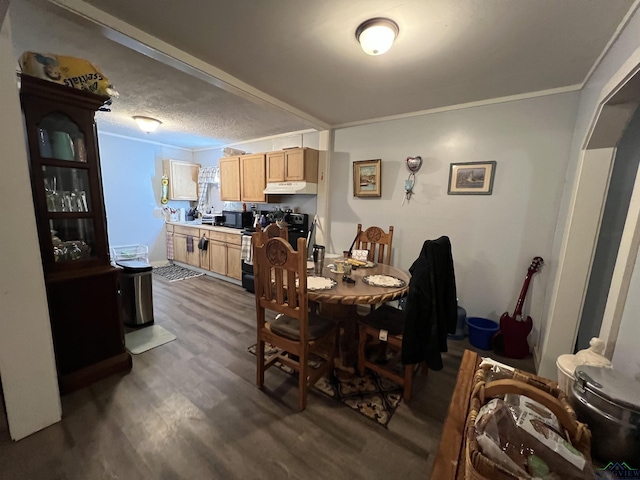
pixel 70 71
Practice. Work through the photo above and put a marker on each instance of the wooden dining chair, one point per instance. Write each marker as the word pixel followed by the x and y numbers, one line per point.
pixel 417 335
pixel 386 361
pixel 272 230
pixel 377 242
pixel 281 287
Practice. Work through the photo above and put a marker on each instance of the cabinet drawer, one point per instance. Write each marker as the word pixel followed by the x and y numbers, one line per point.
pixel 169 228
pixel 186 230
pixel 231 238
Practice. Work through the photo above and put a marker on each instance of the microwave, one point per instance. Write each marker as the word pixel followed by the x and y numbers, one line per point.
pixel 237 219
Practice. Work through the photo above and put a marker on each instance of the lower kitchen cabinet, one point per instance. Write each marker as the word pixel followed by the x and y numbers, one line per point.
pixel 185 246
pixel 224 254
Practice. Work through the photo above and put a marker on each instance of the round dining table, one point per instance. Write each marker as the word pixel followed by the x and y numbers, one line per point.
pixel 341 300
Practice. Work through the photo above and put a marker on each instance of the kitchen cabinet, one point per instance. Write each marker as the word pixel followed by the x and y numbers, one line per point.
pixel 230 179
pixel 82 286
pixel 243 178
pixel 253 178
pixel 293 165
pixel 185 246
pixel 224 254
pixel 183 179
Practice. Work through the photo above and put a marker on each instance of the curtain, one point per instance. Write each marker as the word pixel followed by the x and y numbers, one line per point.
pixel 206 177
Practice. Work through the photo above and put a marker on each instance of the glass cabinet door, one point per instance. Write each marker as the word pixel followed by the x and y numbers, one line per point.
pixel 71 224
pixel 60 138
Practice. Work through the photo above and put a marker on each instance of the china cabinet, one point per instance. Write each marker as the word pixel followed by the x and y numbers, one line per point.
pixel 82 286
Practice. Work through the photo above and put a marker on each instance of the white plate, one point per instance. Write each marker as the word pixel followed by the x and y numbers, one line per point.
pixel 319 283
pixel 383 281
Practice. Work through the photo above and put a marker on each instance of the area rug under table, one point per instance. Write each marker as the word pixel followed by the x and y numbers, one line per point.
pixel 175 272
pixel 372 395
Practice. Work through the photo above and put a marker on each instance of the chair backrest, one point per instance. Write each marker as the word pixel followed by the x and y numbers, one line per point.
pixel 280 279
pixel 377 242
pixel 272 230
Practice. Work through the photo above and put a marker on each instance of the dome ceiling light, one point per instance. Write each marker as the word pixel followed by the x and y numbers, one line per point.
pixel 376 35
pixel 147 124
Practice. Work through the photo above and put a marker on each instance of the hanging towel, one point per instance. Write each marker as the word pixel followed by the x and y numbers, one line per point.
pixel 190 244
pixel 246 252
pixel 169 245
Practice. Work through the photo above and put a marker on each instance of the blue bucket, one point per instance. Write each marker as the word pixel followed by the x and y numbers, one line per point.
pixel 481 330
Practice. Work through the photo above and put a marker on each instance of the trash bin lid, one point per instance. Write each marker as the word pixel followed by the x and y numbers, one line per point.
pixel 134 266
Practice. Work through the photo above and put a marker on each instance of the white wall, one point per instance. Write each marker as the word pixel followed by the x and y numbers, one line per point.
pixel 27 364
pixel 562 312
pixel 131 175
pixel 626 357
pixel 494 238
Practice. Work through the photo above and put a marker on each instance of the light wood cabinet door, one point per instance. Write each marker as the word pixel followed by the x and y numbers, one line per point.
pixel 234 262
pixel 218 257
pixel 293 165
pixel 183 179
pixel 204 254
pixel 230 184
pixel 180 251
pixel 253 178
pixel 275 166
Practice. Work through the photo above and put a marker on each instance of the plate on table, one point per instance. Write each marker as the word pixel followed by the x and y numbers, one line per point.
pixel 383 281
pixel 367 265
pixel 319 283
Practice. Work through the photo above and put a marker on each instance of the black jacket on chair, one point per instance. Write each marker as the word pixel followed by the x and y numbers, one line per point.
pixel 431 309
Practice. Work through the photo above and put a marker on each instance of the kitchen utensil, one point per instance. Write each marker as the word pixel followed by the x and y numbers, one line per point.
pixel 318 259
pixel 609 402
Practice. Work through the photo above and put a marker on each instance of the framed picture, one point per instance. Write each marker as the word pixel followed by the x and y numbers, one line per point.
pixel 471 178
pixel 366 178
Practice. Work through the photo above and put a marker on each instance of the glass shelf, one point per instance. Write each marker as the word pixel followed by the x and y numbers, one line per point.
pixel 66 189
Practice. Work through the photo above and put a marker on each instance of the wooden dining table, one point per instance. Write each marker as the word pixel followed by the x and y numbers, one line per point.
pixel 342 300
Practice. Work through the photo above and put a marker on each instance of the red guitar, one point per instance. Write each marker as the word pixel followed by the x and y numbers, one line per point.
pixel 513 329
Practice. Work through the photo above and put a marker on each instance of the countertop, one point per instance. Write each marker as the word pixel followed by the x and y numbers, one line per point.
pixel 198 224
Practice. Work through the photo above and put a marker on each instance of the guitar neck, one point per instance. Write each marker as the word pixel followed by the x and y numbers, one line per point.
pixel 523 293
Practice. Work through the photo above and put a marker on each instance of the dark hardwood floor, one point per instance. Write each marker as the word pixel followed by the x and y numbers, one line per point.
pixel 190 410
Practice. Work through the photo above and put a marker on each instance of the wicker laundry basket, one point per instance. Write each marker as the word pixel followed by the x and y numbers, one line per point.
pixel 480 467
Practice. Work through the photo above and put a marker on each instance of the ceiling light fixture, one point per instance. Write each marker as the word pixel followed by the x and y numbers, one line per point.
pixel 377 35
pixel 147 124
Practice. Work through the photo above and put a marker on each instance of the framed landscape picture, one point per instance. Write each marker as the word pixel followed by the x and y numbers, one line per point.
pixel 366 178
pixel 471 178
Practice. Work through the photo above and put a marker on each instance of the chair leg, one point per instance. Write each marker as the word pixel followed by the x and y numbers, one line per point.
pixel 408 381
pixel 425 369
pixel 302 383
pixel 260 363
pixel 362 345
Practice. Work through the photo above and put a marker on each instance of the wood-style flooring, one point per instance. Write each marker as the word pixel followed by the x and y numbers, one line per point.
pixel 190 410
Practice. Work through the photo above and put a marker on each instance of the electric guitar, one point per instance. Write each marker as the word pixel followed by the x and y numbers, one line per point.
pixel 513 329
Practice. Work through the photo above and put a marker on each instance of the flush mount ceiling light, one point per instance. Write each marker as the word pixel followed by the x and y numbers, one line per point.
pixel 377 35
pixel 147 124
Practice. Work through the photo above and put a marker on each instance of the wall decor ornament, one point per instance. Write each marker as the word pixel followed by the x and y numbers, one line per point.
pixel 413 165
pixel 471 178
pixel 367 178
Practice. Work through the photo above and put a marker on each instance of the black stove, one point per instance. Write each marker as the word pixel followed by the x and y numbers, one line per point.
pixel 298 226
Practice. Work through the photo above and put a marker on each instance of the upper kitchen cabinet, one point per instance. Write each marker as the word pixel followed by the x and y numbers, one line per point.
pixel 83 292
pixel 293 165
pixel 253 178
pixel 243 178
pixel 230 179
pixel 183 179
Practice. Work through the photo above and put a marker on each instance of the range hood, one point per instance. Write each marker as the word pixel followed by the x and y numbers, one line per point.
pixel 291 188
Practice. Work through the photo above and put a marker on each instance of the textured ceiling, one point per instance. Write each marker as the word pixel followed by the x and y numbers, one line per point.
pixel 304 54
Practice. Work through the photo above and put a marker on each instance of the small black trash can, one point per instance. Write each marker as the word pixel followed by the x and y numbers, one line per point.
pixel 137 292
